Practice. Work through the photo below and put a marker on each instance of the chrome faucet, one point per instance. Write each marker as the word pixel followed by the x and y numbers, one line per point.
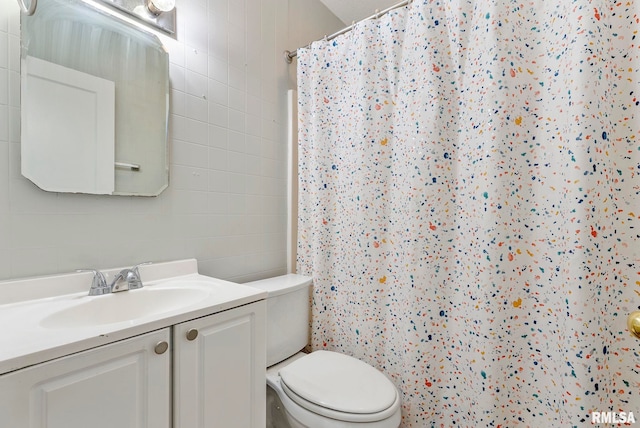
pixel 127 279
pixel 98 283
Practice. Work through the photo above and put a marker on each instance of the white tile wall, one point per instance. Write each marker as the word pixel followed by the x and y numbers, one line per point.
pixel 226 201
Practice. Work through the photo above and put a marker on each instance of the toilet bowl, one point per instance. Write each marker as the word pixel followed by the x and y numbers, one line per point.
pixel 330 390
pixel 322 389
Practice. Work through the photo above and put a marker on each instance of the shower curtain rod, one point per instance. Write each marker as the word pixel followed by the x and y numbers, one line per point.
pixel 288 55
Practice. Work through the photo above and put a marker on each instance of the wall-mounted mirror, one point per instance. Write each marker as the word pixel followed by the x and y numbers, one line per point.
pixel 94 102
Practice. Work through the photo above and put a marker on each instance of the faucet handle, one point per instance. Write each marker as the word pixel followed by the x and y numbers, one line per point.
pixel 98 283
pixel 132 276
pixel 135 268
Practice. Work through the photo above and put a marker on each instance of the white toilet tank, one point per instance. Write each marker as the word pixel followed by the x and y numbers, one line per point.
pixel 288 314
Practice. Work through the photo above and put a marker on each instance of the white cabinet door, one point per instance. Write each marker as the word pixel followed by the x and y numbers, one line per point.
pixel 219 370
pixel 125 385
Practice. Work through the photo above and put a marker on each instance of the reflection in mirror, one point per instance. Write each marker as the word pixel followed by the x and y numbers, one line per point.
pixel 95 99
pixel 27 7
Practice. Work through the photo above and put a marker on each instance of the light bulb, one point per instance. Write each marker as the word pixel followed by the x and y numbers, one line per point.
pixel 158 6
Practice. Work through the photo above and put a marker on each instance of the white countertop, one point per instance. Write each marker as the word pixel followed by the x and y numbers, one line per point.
pixel 25 303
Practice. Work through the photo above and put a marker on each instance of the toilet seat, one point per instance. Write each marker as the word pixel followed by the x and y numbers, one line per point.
pixel 340 387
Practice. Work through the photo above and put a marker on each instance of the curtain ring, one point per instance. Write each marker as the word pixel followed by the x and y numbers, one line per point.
pixel 28 10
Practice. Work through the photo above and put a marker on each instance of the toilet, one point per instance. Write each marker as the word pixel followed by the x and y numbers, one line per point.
pixel 323 389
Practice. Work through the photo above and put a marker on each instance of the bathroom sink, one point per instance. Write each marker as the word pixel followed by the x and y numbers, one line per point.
pixel 49 317
pixel 126 306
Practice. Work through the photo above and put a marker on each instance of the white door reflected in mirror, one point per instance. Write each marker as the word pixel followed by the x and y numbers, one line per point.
pixel 67 129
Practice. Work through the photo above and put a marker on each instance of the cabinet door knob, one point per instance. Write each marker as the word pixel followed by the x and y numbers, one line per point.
pixel 161 347
pixel 192 334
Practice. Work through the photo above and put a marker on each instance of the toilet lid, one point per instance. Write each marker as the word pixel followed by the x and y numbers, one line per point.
pixel 339 382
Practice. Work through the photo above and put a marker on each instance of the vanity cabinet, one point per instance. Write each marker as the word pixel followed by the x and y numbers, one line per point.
pixel 125 384
pixel 213 368
pixel 219 370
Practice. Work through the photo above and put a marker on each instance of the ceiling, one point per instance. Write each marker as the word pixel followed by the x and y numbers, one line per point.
pixel 355 10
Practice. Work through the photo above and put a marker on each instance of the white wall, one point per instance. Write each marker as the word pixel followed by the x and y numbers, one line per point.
pixel 226 203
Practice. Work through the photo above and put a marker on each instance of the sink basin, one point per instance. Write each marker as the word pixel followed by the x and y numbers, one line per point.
pixel 126 306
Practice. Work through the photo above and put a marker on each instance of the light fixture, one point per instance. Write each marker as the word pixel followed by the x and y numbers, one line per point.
pixel 158 13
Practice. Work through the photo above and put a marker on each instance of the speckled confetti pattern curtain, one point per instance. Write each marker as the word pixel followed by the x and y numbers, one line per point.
pixel 469 207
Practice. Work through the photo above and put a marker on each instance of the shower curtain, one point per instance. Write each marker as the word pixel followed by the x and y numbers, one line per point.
pixel 469 206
